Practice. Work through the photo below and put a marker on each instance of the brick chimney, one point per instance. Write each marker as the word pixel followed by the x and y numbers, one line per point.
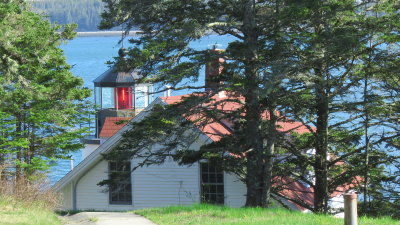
pixel 213 70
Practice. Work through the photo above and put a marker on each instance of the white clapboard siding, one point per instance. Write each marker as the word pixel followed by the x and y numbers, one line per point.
pixel 91 196
pixel 165 185
pixel 66 195
pixel 152 186
pixel 235 191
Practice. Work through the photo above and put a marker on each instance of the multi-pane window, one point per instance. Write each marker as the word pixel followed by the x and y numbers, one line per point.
pixel 107 98
pixel 212 184
pixel 120 188
pixel 140 97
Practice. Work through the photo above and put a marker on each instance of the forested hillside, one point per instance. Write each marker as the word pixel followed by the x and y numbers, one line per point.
pixel 85 13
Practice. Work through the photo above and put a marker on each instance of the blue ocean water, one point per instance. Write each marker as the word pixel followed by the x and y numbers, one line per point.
pixel 89 55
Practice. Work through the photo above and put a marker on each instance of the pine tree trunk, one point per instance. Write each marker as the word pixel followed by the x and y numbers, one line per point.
pixel 2 165
pixel 30 152
pixel 366 137
pixel 321 147
pixel 255 177
pixel 269 154
pixel 18 169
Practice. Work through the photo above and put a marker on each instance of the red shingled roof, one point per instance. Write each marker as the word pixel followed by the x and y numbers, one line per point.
pixel 110 127
pixel 291 189
pixel 295 190
pixel 216 129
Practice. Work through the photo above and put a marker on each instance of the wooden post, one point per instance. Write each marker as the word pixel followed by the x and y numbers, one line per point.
pixel 350 208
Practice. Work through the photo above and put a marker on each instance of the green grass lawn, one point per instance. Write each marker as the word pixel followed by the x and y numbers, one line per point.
pixel 13 213
pixel 209 214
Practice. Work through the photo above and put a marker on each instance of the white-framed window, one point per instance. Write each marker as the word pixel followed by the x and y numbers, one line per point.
pixel 120 188
pixel 107 98
pixel 212 184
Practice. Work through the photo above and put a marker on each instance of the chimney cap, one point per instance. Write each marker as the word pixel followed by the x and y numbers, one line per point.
pixel 122 52
pixel 215 46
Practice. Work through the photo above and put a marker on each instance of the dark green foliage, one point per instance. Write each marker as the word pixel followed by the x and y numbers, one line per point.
pixel 333 42
pixel 42 104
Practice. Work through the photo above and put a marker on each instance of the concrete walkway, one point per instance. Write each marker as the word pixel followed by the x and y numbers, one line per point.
pixel 106 218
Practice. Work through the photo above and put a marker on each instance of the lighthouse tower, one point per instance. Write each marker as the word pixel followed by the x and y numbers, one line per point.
pixel 118 98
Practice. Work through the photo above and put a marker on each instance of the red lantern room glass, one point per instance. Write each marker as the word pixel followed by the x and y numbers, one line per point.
pixel 123 97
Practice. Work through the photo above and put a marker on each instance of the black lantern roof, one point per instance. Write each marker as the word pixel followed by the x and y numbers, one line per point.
pixel 113 78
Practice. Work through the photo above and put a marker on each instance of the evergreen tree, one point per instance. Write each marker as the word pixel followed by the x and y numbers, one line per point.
pixel 380 114
pixel 337 58
pixel 42 103
pixel 303 58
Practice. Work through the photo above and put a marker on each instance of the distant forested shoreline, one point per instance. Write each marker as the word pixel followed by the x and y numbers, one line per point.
pixel 85 13
pixel 106 33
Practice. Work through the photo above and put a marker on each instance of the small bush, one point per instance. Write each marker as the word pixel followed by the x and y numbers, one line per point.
pixel 37 192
